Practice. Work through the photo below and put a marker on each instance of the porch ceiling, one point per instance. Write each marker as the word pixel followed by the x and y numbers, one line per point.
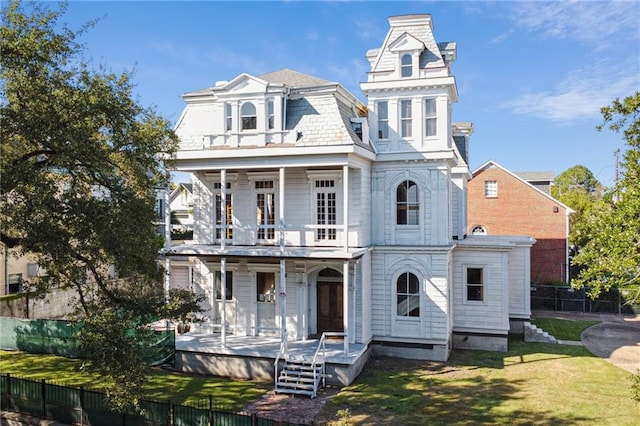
pixel 266 251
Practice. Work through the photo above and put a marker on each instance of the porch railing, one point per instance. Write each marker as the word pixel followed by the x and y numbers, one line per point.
pixel 281 352
pixel 322 348
pixel 304 235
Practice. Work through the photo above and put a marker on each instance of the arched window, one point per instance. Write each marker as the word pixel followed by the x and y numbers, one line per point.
pixel 407 204
pixel 406 65
pixel 478 230
pixel 408 295
pixel 248 116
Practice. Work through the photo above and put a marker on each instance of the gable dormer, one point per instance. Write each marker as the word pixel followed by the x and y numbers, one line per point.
pixel 407 49
pixel 250 106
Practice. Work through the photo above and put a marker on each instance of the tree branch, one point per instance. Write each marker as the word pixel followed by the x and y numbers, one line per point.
pixel 9 241
pixel 32 154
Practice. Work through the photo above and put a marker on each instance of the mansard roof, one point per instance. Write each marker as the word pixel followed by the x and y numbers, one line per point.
pixel 419 28
pixel 293 78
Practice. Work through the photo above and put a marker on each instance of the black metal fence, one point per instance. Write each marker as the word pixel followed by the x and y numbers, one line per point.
pixel 566 298
pixel 81 406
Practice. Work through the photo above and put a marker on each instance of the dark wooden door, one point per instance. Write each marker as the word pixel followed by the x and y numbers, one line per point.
pixel 330 307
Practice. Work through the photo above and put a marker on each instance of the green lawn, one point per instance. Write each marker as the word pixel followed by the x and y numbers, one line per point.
pixel 162 385
pixel 563 329
pixel 532 384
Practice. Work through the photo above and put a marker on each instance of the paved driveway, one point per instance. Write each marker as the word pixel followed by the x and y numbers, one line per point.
pixel 616 338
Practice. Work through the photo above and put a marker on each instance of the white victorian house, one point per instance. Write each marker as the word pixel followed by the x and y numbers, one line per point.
pixel 314 213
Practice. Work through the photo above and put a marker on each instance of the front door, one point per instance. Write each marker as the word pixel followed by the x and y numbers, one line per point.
pixel 330 301
pixel 266 303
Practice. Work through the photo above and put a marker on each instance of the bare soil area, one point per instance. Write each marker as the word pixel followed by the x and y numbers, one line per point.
pixel 289 408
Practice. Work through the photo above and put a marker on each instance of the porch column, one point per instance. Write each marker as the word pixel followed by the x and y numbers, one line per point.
pixel 223 208
pixel 223 296
pixel 283 305
pixel 345 305
pixel 281 199
pixel 345 206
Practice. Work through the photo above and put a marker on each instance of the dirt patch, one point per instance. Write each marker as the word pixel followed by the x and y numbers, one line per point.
pixel 290 408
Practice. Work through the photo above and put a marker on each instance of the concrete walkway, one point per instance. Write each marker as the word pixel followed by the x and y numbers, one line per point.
pixel 616 339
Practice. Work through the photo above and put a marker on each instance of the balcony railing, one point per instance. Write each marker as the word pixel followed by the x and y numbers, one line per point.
pixel 309 235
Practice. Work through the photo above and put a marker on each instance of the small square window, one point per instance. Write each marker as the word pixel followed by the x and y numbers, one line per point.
pixel 491 189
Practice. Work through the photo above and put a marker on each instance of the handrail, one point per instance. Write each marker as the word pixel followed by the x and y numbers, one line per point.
pixel 282 351
pixel 321 345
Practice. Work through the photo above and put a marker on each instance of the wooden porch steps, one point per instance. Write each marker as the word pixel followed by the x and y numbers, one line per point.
pixel 299 377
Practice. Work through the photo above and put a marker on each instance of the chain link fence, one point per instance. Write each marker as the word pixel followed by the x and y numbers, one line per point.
pixel 566 298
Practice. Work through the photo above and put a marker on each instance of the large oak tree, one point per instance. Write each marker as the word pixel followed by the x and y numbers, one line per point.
pixel 578 188
pixel 79 164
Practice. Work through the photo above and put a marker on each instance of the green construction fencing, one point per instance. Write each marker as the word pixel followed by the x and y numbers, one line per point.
pixel 57 337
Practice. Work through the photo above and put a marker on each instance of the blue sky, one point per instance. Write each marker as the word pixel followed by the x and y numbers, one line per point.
pixel 531 76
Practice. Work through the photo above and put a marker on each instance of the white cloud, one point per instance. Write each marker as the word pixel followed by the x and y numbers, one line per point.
pixel 596 22
pixel 582 93
pixel 367 29
pixel 350 74
pixel 502 37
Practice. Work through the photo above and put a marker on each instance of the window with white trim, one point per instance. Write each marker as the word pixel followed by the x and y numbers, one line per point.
pixel 265 209
pixel 248 117
pixel 491 189
pixel 271 115
pixel 382 108
pixel 326 209
pixel 228 120
pixel 430 117
pixel 15 283
pixel 406 122
pixel 475 284
pixel 219 211
pixel 408 295
pixel 266 287
pixel 217 277
pixel 406 65
pixel 407 203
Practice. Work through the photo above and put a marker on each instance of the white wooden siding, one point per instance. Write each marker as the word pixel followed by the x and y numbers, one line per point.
pixel 519 283
pixel 490 314
pixel 433 272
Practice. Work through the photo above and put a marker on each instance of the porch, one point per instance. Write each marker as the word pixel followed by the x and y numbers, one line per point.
pixel 253 357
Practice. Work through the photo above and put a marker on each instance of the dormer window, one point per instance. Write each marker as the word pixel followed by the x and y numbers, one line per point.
pixel 406 65
pixel 248 116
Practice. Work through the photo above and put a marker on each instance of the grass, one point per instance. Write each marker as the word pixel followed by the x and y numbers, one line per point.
pixel 162 385
pixel 563 329
pixel 532 384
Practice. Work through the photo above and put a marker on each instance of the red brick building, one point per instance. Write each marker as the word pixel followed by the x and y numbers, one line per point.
pixel 502 203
